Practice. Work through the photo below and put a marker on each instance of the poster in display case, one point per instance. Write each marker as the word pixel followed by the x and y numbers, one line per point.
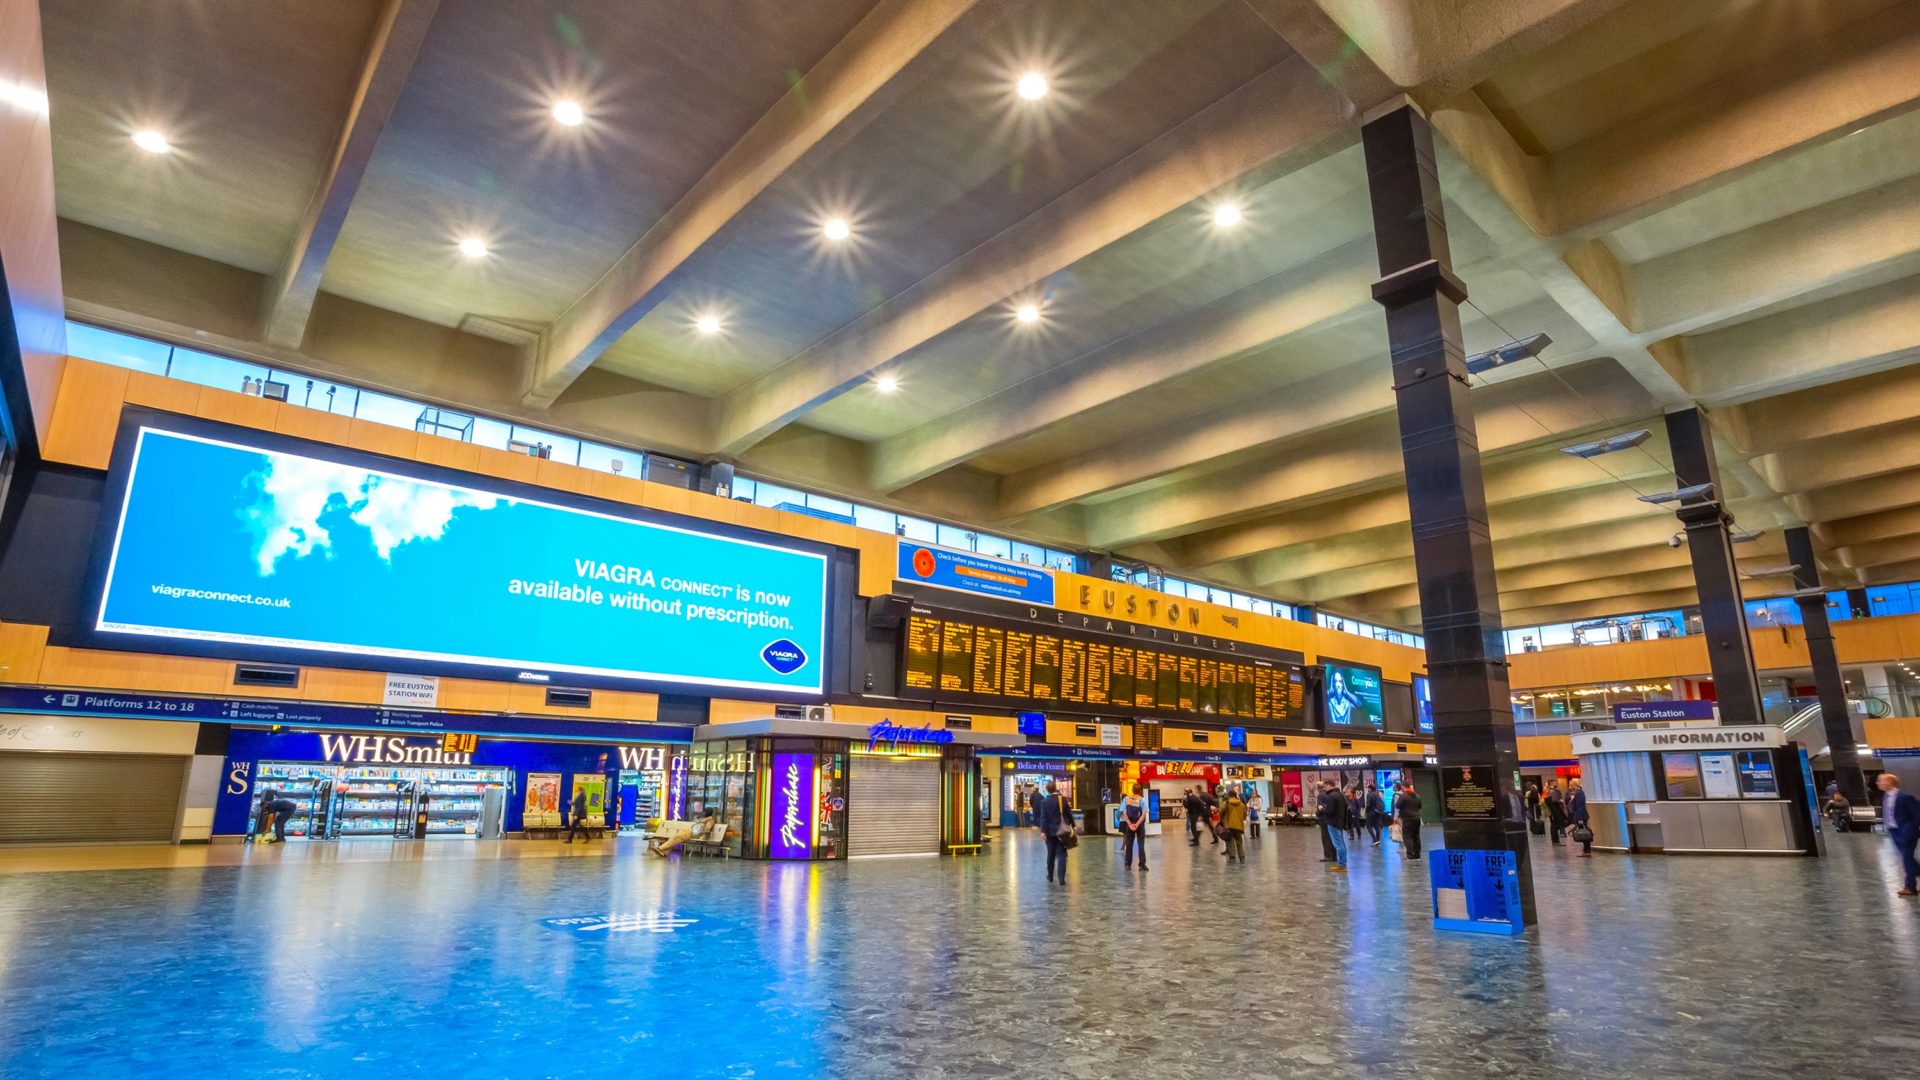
pixel 542 810
pixel 1717 776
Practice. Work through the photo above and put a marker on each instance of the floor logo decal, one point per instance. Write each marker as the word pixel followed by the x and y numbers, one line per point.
pixel 601 926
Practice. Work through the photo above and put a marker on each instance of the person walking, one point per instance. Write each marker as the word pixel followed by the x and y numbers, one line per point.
pixel 1255 807
pixel 1133 826
pixel 1054 818
pixel 1407 806
pixel 1320 822
pixel 1577 814
pixel 1333 817
pixel 1556 813
pixel 577 821
pixel 1355 816
pixel 1233 823
pixel 1195 810
pixel 1376 810
pixel 1901 814
pixel 1211 812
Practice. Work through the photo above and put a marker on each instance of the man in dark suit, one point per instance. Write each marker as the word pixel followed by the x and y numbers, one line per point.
pixel 1901 813
pixel 1577 814
pixel 1407 806
pixel 1051 814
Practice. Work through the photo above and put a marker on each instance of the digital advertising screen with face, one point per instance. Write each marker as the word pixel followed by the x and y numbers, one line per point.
pixel 1423 704
pixel 1351 696
pixel 256 544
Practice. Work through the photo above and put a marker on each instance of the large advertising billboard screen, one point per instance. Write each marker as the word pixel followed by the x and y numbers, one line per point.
pixel 237 542
pixel 1352 696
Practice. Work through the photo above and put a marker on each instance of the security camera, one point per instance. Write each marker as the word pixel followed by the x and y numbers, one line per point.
pixel 1676 540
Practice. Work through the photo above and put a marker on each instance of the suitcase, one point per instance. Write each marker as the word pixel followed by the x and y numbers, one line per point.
pixel 1536 827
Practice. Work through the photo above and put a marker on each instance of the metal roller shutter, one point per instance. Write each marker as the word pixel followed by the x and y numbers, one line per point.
pixel 51 797
pixel 893 807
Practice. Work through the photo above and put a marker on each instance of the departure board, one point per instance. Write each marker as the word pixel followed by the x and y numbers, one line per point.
pixel 1046 667
pixel 978 658
pixel 922 667
pixel 956 658
pixel 1017 671
pixel 1099 674
pixel 989 645
pixel 1146 678
pixel 1073 669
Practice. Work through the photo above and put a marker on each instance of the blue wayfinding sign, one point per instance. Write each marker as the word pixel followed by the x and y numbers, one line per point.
pixel 1477 892
pixel 968 572
pixel 18 699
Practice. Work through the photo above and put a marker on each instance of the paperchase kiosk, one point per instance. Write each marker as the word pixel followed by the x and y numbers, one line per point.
pixel 1698 790
pixel 812 790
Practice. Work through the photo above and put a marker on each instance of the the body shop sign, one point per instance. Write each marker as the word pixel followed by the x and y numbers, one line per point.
pixel 790 818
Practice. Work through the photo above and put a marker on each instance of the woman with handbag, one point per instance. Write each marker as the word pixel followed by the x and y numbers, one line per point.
pixel 1055 820
pixel 1582 825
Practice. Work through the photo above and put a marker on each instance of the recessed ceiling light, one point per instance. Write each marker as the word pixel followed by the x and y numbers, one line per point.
pixel 707 324
pixel 152 141
pixel 1032 86
pixel 837 229
pixel 1027 313
pixel 1226 215
pixel 473 248
pixel 886 384
pixel 568 112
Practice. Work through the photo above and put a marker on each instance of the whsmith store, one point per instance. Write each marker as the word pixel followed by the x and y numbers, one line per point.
pixel 211 596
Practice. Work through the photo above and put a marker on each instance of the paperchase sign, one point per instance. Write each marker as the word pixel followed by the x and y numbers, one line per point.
pixel 1755 737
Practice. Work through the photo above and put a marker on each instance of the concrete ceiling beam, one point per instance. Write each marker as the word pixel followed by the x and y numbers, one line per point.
pixel 1847 458
pixel 1870 528
pixel 1273 124
pixel 286 301
pixel 1889 491
pixel 1850 335
pixel 1324 291
pixel 842 93
pixel 1832 85
pixel 1861 237
pixel 1859 404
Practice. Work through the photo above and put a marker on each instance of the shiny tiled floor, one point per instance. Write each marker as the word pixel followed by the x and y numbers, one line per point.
pixel 417 961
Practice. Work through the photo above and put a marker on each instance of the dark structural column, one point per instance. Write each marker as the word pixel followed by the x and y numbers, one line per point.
pixel 1723 612
pixel 1826 670
pixel 1452 553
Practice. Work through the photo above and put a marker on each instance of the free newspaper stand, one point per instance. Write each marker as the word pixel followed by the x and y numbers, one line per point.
pixel 1475 891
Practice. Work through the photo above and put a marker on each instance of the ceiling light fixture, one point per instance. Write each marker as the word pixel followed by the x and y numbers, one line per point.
pixel 1226 215
pixel 1480 363
pixel 1027 313
pixel 837 229
pixel 1746 536
pixel 1691 491
pixel 1769 571
pixel 707 324
pixel 568 112
pixel 1032 86
pixel 473 248
pixel 152 141
pixel 1610 444
pixel 886 384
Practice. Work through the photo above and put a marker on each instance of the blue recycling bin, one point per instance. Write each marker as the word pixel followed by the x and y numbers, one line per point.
pixel 1477 892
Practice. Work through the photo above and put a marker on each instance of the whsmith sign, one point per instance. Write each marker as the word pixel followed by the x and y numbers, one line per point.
pixel 1703 738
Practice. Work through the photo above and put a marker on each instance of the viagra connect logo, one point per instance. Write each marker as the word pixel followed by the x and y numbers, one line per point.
pixel 790 820
pixel 784 657
pixel 600 926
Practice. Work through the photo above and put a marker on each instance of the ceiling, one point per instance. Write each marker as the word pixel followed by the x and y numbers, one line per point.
pixel 1714 203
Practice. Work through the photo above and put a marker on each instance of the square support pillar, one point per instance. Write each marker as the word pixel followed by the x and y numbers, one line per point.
pixel 1452 551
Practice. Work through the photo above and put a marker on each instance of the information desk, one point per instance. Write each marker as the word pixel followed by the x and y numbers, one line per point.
pixel 1697 790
